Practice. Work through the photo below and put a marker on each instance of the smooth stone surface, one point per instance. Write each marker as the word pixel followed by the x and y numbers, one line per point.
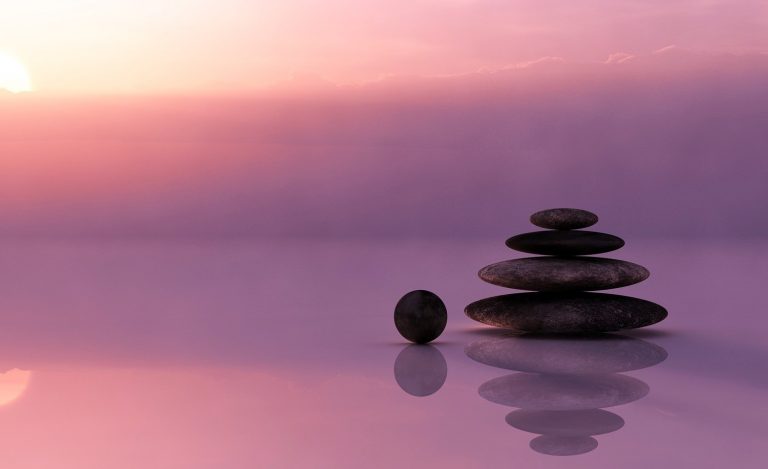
pixel 565 243
pixel 420 316
pixel 565 313
pixel 563 218
pixel 563 273
pixel 565 422
pixel 606 353
pixel 563 445
pixel 420 370
pixel 563 392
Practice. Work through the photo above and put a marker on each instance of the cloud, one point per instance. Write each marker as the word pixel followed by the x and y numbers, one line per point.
pixel 671 49
pixel 541 61
pixel 619 57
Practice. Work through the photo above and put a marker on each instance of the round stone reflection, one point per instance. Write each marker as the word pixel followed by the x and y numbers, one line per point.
pixel 420 370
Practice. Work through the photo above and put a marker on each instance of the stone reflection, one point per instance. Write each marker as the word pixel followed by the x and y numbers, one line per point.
pixel 563 384
pixel 420 370
pixel 565 432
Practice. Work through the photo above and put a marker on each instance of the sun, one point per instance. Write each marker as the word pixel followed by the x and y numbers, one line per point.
pixel 13 75
pixel 13 383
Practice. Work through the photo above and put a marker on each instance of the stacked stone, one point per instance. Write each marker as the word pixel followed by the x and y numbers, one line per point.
pixel 562 279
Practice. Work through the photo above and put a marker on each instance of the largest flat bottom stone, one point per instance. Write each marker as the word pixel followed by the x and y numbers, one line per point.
pixel 556 313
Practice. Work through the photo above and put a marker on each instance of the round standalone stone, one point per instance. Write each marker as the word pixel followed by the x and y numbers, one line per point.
pixel 565 313
pixel 420 316
pixel 563 273
pixel 565 243
pixel 563 392
pixel 604 353
pixel 563 218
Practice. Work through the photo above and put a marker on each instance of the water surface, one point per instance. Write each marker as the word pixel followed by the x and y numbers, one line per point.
pixel 252 353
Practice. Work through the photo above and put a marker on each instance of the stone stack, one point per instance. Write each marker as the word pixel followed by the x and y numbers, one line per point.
pixel 562 279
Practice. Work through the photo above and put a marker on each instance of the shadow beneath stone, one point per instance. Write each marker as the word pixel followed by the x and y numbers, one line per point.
pixel 420 370
pixel 651 333
pixel 487 331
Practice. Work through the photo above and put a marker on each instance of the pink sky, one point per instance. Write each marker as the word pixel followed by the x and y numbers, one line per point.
pixel 228 46
pixel 158 119
pixel 676 135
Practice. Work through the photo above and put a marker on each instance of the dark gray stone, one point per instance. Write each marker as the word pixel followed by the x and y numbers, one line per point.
pixel 563 392
pixel 564 218
pixel 569 313
pixel 420 370
pixel 420 316
pixel 563 273
pixel 554 445
pixel 565 422
pixel 605 353
pixel 565 243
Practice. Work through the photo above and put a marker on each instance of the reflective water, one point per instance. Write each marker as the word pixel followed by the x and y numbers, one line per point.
pixel 249 354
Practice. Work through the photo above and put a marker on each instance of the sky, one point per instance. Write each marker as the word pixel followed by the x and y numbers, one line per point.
pixel 383 119
pixel 232 46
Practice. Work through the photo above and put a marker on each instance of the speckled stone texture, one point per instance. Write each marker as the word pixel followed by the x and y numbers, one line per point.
pixel 565 313
pixel 562 278
pixel 563 218
pixel 606 353
pixel 565 243
pixel 420 316
pixel 560 274
pixel 563 392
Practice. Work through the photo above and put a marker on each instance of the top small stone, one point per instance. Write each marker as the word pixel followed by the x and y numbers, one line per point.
pixel 563 218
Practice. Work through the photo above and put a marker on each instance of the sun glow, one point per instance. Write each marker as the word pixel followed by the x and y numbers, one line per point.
pixel 13 383
pixel 13 75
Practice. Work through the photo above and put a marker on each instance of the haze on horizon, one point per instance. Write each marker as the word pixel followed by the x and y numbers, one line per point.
pixel 455 117
pixel 237 46
pixel 667 144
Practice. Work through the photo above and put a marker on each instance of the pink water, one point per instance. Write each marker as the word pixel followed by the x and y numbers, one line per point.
pixel 253 353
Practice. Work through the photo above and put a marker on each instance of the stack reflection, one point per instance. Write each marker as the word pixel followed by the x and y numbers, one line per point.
pixel 563 384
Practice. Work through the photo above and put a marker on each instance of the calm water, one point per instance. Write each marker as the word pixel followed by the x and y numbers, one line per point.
pixel 251 354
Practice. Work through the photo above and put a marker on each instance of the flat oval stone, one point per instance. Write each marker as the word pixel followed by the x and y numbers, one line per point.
pixel 606 353
pixel 420 316
pixel 565 422
pixel 565 313
pixel 563 392
pixel 564 218
pixel 563 273
pixel 565 243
